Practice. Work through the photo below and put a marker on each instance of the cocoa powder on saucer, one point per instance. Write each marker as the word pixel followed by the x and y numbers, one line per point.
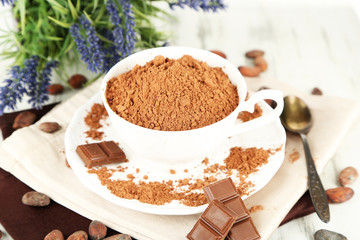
pixel 187 191
pixel 92 120
pixel 172 95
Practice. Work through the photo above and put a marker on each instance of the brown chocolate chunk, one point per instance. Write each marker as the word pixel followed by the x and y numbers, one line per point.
pixel 221 190
pixel 214 223
pixel 225 191
pixel 97 154
pixel 243 230
pixel 49 127
pixel 237 205
pixel 24 119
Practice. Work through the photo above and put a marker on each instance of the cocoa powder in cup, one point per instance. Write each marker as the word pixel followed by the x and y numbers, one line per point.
pixel 172 94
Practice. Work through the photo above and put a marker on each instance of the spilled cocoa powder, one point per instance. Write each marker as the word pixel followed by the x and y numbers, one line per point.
pixel 247 116
pixel 294 156
pixel 244 161
pixel 92 120
pixel 256 208
pixel 172 95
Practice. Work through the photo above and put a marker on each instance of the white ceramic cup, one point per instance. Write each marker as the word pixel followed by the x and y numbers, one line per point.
pixel 183 147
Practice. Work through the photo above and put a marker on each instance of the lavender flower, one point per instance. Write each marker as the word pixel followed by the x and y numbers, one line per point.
pixel 38 88
pixel 124 37
pixel 130 26
pixel 13 90
pixel 37 85
pixel 7 2
pixel 80 43
pixel 95 47
pixel 110 51
pixel 205 5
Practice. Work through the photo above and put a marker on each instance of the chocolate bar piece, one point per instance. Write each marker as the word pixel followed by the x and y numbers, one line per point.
pixel 225 191
pixel 222 190
pixel 243 230
pixel 214 223
pixel 97 154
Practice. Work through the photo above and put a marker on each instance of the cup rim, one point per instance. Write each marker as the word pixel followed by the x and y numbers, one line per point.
pixel 185 51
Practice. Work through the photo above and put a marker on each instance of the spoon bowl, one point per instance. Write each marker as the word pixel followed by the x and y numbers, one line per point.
pixel 296 117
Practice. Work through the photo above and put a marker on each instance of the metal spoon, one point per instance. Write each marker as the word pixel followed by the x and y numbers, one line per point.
pixel 296 117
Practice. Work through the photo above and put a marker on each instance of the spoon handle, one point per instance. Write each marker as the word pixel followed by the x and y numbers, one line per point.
pixel 316 189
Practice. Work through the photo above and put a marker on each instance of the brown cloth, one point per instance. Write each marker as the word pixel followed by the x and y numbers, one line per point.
pixel 24 222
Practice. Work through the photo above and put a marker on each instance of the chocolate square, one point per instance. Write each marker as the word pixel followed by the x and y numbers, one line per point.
pixel 243 230
pixel 97 154
pixel 222 190
pixel 201 231
pixel 237 205
pixel 219 217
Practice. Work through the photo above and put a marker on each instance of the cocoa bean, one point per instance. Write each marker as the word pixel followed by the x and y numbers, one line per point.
pixel 54 235
pixel 97 230
pixel 24 119
pixel 119 237
pixel 36 199
pixel 76 81
pixel 261 62
pixel 250 71
pixel 49 127
pixel 316 91
pixel 339 194
pixel 217 52
pixel 78 235
pixel 254 53
pixel 347 176
pixel 55 89
pixel 328 235
pixel 263 88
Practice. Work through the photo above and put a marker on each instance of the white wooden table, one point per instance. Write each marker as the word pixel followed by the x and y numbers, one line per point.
pixel 307 45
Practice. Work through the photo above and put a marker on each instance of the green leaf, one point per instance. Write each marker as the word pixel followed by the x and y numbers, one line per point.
pixel 88 17
pixel 95 4
pixel 64 46
pixel 101 13
pixel 52 38
pixel 60 23
pixel 22 15
pixel 57 6
pixel 72 10
pixel 78 5
pixel 69 47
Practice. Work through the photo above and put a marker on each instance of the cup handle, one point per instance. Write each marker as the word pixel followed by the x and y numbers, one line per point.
pixel 249 106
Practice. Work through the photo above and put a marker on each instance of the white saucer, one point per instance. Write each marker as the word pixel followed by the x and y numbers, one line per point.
pixel 270 136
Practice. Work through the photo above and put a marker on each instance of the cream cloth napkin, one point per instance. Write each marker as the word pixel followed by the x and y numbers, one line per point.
pixel 38 159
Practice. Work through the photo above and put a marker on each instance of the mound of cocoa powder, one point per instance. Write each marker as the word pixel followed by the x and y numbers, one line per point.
pixel 172 95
